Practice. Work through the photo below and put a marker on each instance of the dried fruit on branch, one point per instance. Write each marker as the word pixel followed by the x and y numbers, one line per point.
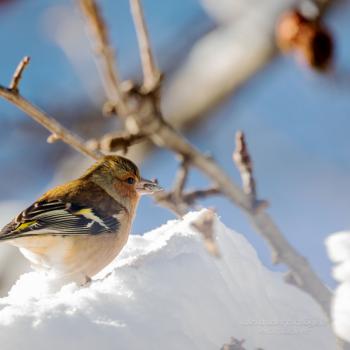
pixel 308 37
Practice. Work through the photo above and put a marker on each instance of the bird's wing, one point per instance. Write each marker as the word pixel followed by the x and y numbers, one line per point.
pixel 59 218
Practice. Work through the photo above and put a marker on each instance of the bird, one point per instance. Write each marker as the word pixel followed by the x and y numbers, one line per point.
pixel 76 229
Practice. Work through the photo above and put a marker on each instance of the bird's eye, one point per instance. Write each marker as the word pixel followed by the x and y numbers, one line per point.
pixel 130 180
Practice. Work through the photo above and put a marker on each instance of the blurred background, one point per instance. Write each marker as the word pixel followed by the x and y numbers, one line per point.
pixel 223 73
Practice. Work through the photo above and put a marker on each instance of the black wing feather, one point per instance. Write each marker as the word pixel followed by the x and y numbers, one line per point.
pixel 59 218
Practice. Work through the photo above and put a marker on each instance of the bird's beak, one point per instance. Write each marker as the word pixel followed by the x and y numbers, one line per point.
pixel 147 187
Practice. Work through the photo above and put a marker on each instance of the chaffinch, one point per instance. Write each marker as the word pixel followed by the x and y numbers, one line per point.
pixel 78 228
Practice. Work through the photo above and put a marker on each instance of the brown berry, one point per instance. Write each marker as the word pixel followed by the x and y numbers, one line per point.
pixel 288 29
pixel 318 49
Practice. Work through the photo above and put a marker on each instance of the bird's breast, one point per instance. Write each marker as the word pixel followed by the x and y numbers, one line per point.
pixel 75 257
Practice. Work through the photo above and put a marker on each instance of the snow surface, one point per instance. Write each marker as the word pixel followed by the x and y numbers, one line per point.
pixel 338 246
pixel 166 292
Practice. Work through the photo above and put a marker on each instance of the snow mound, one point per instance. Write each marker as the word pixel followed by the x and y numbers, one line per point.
pixel 338 246
pixel 166 292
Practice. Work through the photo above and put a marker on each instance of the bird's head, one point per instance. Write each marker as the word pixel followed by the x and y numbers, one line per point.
pixel 122 177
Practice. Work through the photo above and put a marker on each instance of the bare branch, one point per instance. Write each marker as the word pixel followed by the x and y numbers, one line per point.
pixel 192 196
pixel 117 141
pixel 204 224
pixel 181 205
pixel 17 75
pixel 107 62
pixel 181 178
pixel 244 164
pixel 49 123
pixel 166 200
pixel 151 75
pixel 243 161
pixel 177 200
pixel 58 131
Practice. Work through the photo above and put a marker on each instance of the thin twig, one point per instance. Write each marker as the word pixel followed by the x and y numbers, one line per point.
pixel 17 75
pixel 244 164
pixel 181 178
pixel 107 62
pixel 58 131
pixel 177 200
pixel 191 197
pixel 151 74
pixel 48 122
pixel 116 141
pixel 181 205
